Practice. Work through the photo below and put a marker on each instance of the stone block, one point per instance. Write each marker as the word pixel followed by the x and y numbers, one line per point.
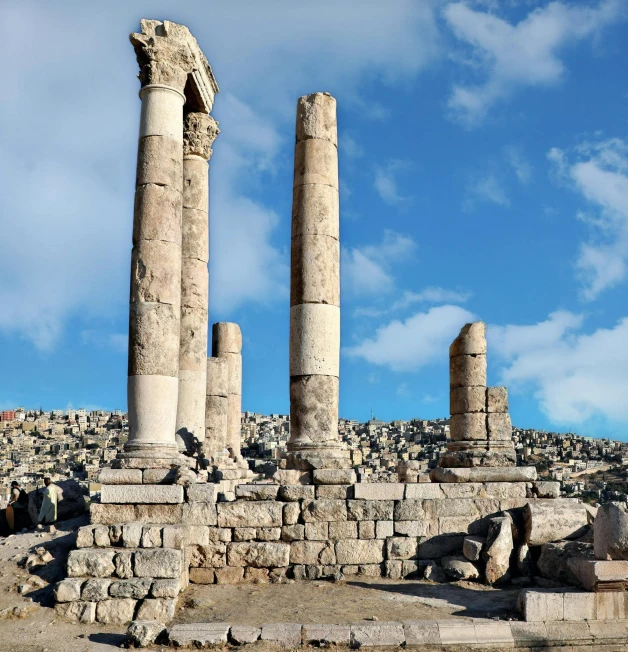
pixel 282 634
pixel 68 590
pixel 334 476
pixel 294 493
pixel 169 588
pixel 213 555
pixel 77 612
pixel 366 529
pixel 202 575
pixel 424 490
pixel 402 548
pixel 291 513
pixel 343 530
pixel 497 399
pixel 539 605
pixel 199 513
pixel 377 634
pixel 421 632
pixel 258 554
pixel 324 510
pixel 201 492
pixel 318 531
pixel 370 510
pixel 467 371
pixel 198 635
pixel 326 635
pixel 243 634
pixel 334 491
pixel 118 611
pixel 158 563
pixel 86 562
pixel 123 562
pixel 244 513
pixel 379 491
pixel 470 426
pixel 120 476
pixel 257 491
pixel 579 606
pixel 360 551
pixel 499 427
pixel 160 610
pixel 136 588
pixel 95 590
pixel 384 529
pixel 463 400
pixel 312 552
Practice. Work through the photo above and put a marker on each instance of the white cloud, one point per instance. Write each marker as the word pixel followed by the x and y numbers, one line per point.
pixel 386 184
pixel 525 54
pixel 366 270
pixel 414 343
pixel 575 376
pixel 599 172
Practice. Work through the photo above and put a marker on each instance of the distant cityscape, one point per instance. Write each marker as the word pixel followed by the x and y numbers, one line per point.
pixel 76 443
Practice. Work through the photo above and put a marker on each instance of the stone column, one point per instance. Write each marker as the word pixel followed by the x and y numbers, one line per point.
pixel 199 132
pixel 155 308
pixel 216 407
pixel 315 289
pixel 227 343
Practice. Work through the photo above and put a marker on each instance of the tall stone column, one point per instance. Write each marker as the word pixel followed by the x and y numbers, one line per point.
pixel 216 407
pixel 227 343
pixel 199 132
pixel 315 289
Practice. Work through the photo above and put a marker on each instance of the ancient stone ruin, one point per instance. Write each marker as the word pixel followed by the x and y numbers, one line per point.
pixel 178 504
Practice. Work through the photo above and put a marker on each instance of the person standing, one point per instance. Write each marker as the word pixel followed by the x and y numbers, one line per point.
pixel 48 511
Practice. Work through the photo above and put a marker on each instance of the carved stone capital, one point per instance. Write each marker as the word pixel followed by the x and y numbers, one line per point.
pixel 199 132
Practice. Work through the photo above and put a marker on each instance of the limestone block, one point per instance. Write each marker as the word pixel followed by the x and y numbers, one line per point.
pixel 217 377
pixel 120 476
pixel 160 162
pixel 334 491
pixel 499 426
pixel 154 339
pixel 294 493
pixel 546 489
pixel 242 634
pixel 86 562
pixel 213 555
pixel 291 533
pixel 467 399
pixel 286 635
pixel 377 634
pixel 226 338
pixel 470 341
pixel 315 270
pixel 158 563
pixel 155 268
pixel 257 491
pixel 268 533
pixel 379 491
pixel 165 588
pixel 468 426
pixel 315 211
pixel 199 513
pixel 68 590
pixel 610 538
pixel 157 609
pixel 198 635
pixel 360 551
pixel 201 492
pixel 136 588
pixel 118 611
pixel 314 409
pixel 370 510
pixel 342 529
pixel 324 510
pixel 541 605
pixel 459 568
pixel 291 513
pixel 552 520
pixel 229 575
pixel 314 339
pixel 312 552
pixel 316 117
pixel 77 612
pixel 402 547
pixel 499 548
pixel 472 547
pixel 244 513
pixel 421 633
pixel 85 537
pixel 318 531
pixel 326 635
pixel 202 575
pixel 497 399
pixel 258 554
pixel 467 371
pixel 334 476
pixel 384 529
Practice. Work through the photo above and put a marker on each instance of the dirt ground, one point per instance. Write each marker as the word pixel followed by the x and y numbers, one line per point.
pixel 28 622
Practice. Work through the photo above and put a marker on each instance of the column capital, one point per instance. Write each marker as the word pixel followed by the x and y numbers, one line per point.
pixel 199 132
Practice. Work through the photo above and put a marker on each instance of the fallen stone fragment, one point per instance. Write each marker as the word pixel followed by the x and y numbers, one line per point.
pixel 144 632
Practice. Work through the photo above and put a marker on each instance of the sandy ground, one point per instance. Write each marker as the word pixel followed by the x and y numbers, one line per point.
pixel 28 623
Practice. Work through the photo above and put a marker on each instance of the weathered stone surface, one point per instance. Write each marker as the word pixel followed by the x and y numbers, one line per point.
pixel 283 634
pixel 116 611
pixel 377 634
pixel 470 341
pixel 312 552
pixel 551 520
pixel 371 510
pixel 499 547
pixel 91 563
pixel 77 612
pixel 157 609
pixel 136 588
pixel 294 493
pixel 497 399
pixel 68 590
pixel 472 547
pixel 244 513
pixel 610 533
pixel 499 426
pixel 95 590
pixel 402 548
pixel 242 634
pixel 257 491
pixel 213 555
pixel 463 400
pixel 324 510
pixel 258 554
pixel 361 551
pixel 198 634
pixel 467 371
pixel 120 476
pixel 460 568
pixel 201 493
pixel 145 632
pixel 158 563
pixel 470 426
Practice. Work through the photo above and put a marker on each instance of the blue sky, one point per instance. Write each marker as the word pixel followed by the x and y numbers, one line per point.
pixel 484 175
